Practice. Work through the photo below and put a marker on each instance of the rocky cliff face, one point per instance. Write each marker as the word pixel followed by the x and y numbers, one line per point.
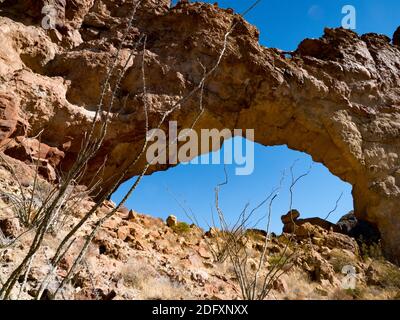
pixel 336 98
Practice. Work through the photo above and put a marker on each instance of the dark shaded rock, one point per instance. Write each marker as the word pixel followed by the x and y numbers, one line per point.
pixel 347 222
pixel 290 217
pixel 396 37
pixel 10 228
pixel 359 229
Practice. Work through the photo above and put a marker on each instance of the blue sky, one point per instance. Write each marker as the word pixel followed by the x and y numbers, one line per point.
pixel 283 24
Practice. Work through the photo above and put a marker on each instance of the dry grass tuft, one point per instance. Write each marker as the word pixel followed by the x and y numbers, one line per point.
pixel 139 275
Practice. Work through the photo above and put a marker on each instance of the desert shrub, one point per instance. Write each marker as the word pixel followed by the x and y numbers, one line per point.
pixel 357 293
pixel 181 228
pixel 340 258
pixel 218 249
pixel 385 274
pixel 289 242
pixel 391 276
pixel 276 259
pixel 161 288
pixel 373 251
pixel 137 273
pixel 300 287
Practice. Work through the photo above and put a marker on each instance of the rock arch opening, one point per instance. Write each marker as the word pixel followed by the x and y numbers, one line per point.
pixel 189 188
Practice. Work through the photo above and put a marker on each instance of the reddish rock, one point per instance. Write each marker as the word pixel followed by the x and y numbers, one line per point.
pixel 108 204
pixel 10 120
pixel 111 224
pixel 320 269
pixel 123 232
pixel 337 240
pixel 137 245
pixel 31 150
pixel 131 215
pixel 204 253
pixel 290 217
pixel 66 262
pixel 123 212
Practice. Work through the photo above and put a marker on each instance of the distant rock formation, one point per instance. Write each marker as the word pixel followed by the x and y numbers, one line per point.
pixel 349 225
pixel 396 37
pixel 291 221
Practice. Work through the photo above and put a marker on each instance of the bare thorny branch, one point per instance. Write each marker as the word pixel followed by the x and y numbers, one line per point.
pixel 255 285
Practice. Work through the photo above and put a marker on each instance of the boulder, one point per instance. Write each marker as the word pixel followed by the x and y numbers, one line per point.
pixel 319 268
pixel 123 232
pixel 172 221
pixel 337 240
pixel 204 253
pixel 347 222
pixel 306 230
pixel 10 121
pixel 280 285
pixel 290 217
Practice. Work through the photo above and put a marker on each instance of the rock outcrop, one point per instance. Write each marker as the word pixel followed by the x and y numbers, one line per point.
pixel 348 234
pixel 337 98
pixel 360 230
pixel 396 37
pixel 291 223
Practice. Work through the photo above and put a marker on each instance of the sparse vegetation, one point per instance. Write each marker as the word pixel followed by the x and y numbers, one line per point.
pixel 254 278
pixel 275 260
pixel 390 275
pixel 373 250
pixel 356 293
pixel 161 289
pixel 137 273
pixel 340 258
pixel 181 228
pixel 150 285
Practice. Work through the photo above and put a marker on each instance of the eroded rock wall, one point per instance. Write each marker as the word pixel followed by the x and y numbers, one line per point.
pixel 336 98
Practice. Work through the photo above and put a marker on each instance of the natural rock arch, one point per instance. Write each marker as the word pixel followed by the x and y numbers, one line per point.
pixel 336 98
